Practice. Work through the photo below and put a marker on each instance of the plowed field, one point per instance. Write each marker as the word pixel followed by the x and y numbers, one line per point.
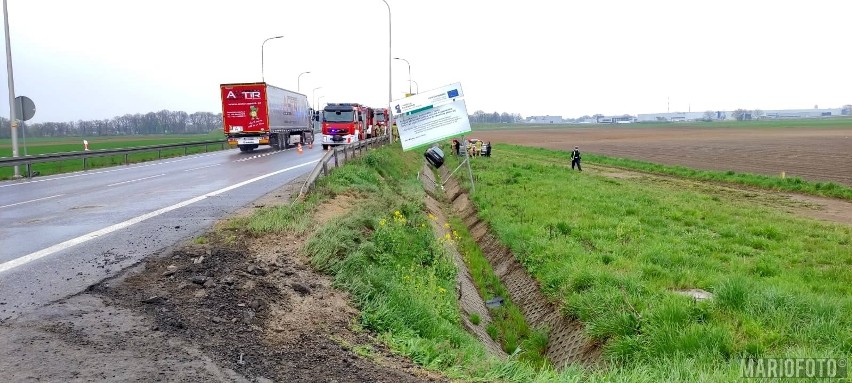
pixel 815 154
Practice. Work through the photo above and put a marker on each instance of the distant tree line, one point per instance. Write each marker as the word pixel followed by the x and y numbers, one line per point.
pixel 495 118
pixel 162 122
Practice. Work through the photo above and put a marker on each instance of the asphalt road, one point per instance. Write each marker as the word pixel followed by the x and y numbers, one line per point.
pixel 63 233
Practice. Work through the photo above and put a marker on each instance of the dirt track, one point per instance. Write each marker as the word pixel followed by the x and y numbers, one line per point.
pixel 816 154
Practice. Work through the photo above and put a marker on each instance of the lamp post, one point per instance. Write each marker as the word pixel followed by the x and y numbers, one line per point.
pixel 262 76
pixel 299 81
pixel 390 77
pixel 409 72
pixel 13 122
pixel 415 84
pixel 314 95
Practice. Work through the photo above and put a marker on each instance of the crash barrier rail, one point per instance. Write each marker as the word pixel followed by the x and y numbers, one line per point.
pixel 29 160
pixel 337 156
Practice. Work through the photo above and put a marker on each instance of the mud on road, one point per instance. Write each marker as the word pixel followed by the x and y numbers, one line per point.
pixel 223 310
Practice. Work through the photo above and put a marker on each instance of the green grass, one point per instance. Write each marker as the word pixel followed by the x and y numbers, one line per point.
pixel 46 145
pixel 384 253
pixel 614 251
pixel 792 184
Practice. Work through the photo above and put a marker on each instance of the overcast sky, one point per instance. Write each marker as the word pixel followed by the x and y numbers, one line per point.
pixel 87 59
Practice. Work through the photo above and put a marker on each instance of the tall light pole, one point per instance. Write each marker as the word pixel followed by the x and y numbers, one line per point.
pixel 299 81
pixel 415 83
pixel 314 96
pixel 409 72
pixel 262 76
pixel 390 77
pixel 12 120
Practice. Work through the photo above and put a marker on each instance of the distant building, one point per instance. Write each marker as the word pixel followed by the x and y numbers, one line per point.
pixel 623 119
pixel 801 113
pixel 544 120
pixel 748 115
pixel 674 117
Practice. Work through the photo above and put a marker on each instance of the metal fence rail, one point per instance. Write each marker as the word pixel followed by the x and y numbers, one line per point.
pixel 337 157
pixel 29 160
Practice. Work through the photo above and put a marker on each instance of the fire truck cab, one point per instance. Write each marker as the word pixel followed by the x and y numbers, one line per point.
pixel 342 124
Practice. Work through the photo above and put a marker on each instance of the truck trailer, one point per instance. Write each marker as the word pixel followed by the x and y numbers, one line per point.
pixel 257 114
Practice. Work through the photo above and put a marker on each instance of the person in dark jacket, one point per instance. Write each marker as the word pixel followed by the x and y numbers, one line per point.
pixel 575 158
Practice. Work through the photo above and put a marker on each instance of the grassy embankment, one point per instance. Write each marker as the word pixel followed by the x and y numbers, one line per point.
pixel 624 246
pixel 782 284
pixel 385 254
pixel 45 145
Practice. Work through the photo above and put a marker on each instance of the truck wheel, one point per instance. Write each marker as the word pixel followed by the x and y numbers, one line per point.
pixel 279 142
pixel 286 141
pixel 246 148
pixel 324 147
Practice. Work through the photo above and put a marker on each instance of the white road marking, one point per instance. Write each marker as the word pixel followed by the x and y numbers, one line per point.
pixel 201 167
pixel 138 179
pixel 34 200
pixel 91 173
pixel 6 266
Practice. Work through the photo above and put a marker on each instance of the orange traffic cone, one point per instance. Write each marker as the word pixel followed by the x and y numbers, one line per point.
pixel 85 145
pixel 299 148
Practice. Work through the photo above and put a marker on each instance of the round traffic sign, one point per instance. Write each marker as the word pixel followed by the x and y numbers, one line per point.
pixel 25 106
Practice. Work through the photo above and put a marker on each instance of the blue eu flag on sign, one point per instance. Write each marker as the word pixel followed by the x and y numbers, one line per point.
pixel 453 93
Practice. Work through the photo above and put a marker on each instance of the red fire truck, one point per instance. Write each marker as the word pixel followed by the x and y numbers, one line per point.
pixel 380 121
pixel 343 124
pixel 257 114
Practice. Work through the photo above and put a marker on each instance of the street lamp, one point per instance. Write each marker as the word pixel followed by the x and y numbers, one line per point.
pixel 415 83
pixel 409 72
pixel 390 91
pixel 298 81
pixel 314 95
pixel 262 76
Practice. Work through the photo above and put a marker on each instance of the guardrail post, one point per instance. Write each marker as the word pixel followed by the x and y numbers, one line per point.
pixel 126 160
pixel 29 170
pixel 85 163
pixel 205 148
pixel 184 150
pixel 345 154
pixel 159 154
pixel 336 165
pixel 324 169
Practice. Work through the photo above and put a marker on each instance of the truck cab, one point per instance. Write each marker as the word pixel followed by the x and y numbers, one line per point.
pixel 342 124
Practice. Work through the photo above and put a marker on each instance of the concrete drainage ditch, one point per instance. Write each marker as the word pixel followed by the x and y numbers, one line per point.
pixel 567 342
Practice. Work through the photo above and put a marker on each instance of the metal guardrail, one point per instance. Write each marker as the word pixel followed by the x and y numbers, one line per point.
pixel 29 160
pixel 338 156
